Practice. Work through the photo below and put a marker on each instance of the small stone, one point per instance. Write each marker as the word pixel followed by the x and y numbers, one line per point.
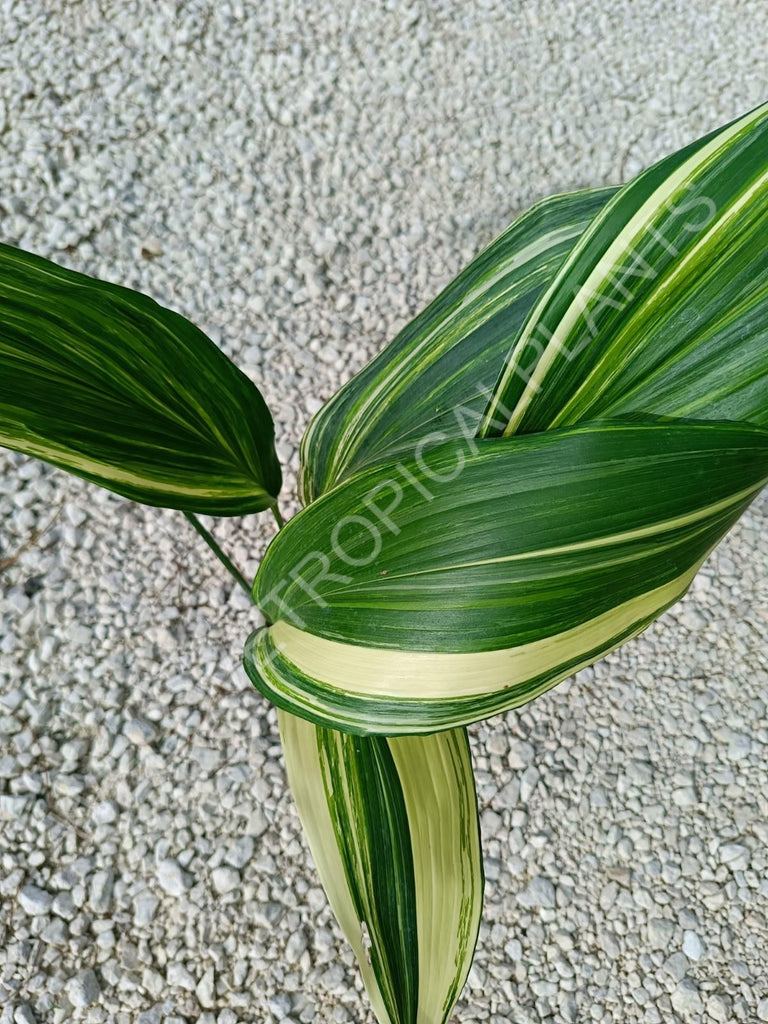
pixel 719 1007
pixel 660 932
pixel 105 813
pixel 521 754
pixel 74 514
pixel 762 1009
pixel 138 731
pixel 735 856
pixel 508 795
pixel 280 1006
pixel 225 880
pixel 686 999
pixel 528 782
pixel 240 852
pixel 685 796
pixel 153 1016
pixel 64 905
pixel 56 933
pixel 152 982
pixel 83 990
pixel 23 1015
pixel 540 892
pixel 11 806
pixel 569 1009
pixel 172 878
pixel 266 915
pixel 639 773
pixel 178 976
pixel 295 947
pixel 205 991
pixel 208 758
pixel 692 946
pixel 514 950
pixel 35 901
pixel 740 746
pixel 144 909
pixel 497 743
pixel 676 966
pixel 101 891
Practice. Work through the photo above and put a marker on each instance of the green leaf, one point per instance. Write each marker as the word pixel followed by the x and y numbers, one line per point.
pixel 662 306
pixel 438 373
pixel 103 382
pixel 433 592
pixel 392 826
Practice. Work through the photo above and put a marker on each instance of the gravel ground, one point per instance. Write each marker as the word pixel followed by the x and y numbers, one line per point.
pixel 299 180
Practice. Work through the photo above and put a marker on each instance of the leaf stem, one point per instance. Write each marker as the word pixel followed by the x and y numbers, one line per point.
pixel 278 516
pixel 224 559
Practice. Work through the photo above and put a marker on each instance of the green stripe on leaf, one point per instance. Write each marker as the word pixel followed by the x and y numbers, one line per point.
pixel 103 382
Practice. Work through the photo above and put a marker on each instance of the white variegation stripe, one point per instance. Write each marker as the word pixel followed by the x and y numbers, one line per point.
pixel 438 787
pixel 435 777
pixel 119 475
pixel 305 777
pixel 630 233
pixel 664 292
pixel 377 672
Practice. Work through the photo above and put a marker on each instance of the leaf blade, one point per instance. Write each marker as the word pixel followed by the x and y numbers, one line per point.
pixel 469 608
pixel 437 887
pixel 447 358
pixel 105 383
pixel 655 310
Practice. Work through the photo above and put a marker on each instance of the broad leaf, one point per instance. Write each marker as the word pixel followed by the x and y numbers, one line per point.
pixel 440 590
pixel 438 373
pixel 103 382
pixel 392 826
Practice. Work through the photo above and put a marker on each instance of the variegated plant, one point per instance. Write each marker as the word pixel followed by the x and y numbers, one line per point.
pixel 525 478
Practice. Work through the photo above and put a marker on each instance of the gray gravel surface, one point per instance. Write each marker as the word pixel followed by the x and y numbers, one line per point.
pixel 299 179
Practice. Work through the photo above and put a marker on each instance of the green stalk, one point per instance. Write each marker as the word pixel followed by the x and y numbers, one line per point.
pixel 224 559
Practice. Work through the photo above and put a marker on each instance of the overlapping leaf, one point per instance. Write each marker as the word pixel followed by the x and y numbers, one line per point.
pixel 497 573
pixel 378 867
pixel 105 383
pixel 437 375
pixel 433 587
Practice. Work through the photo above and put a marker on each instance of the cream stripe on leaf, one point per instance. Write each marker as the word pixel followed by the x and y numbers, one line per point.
pixel 393 829
pixel 438 372
pixel 546 551
pixel 662 305
pixel 103 382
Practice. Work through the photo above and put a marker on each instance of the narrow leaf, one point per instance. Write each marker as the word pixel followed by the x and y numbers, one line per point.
pixel 392 826
pixel 103 382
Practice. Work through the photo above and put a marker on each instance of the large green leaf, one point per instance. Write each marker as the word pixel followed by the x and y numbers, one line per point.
pixel 662 306
pixel 438 373
pixel 438 590
pixel 105 383
pixel 392 826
